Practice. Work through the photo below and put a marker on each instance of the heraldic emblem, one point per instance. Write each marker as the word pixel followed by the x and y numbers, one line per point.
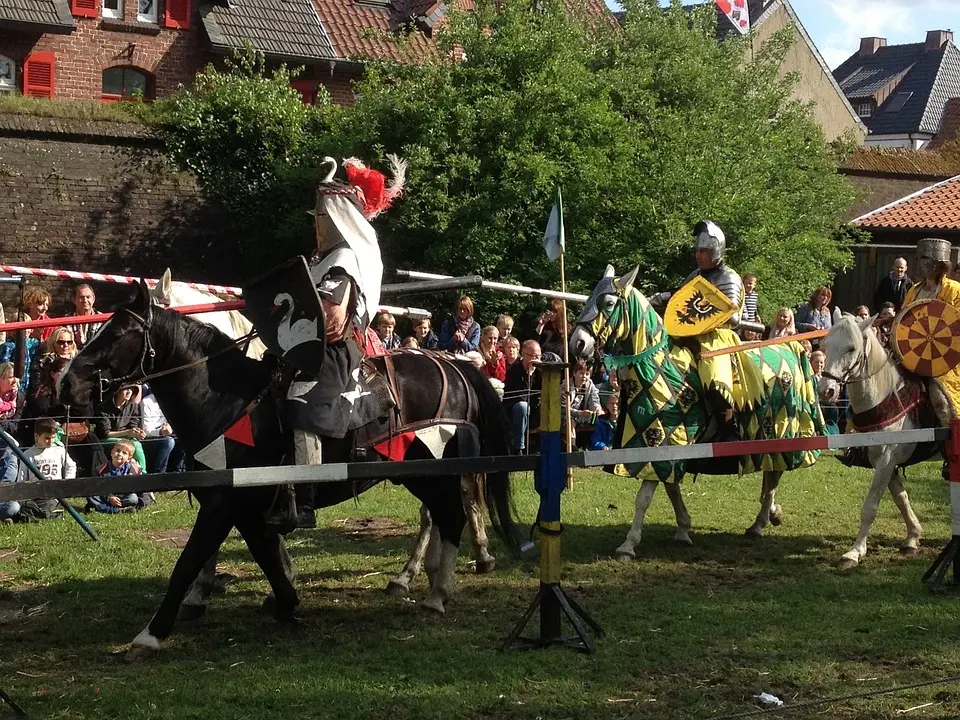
pixel 696 308
pixel 926 337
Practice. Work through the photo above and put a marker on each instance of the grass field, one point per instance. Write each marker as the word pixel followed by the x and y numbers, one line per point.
pixel 691 632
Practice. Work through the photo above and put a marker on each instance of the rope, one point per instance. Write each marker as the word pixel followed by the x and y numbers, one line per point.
pixel 838 698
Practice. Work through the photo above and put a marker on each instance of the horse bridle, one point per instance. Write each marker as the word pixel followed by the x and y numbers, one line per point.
pixel 859 371
pixel 147 354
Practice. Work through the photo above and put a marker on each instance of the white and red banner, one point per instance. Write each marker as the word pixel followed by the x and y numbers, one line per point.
pixel 738 12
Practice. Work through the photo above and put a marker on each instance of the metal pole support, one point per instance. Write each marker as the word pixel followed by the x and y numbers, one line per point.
pixel 550 482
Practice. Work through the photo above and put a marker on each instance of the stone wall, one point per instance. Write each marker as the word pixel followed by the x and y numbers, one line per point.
pixel 101 197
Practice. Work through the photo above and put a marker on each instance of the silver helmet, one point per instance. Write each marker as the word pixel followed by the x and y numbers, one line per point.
pixel 930 252
pixel 710 237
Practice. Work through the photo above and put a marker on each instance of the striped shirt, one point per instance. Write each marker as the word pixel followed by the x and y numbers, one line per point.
pixel 750 307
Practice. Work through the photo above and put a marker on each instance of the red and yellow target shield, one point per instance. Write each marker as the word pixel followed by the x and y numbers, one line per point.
pixel 926 338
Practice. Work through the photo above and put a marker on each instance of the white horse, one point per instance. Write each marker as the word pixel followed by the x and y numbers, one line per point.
pixel 235 325
pixel 856 358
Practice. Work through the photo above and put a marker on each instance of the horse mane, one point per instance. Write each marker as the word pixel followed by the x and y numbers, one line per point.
pixel 197 338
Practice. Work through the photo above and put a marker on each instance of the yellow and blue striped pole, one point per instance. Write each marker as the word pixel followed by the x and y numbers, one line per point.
pixel 550 482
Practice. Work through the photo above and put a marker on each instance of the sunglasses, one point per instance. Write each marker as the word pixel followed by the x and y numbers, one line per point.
pixel 64 342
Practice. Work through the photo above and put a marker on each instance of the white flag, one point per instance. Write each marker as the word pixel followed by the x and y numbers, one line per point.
pixel 739 13
pixel 553 239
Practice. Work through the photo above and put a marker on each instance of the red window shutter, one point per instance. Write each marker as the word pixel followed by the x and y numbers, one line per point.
pixel 177 14
pixel 85 8
pixel 305 88
pixel 38 75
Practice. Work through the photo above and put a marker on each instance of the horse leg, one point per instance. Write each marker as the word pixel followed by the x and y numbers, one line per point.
pixel 644 496
pixel 882 476
pixel 400 584
pixel 211 528
pixel 471 493
pixel 680 511
pixel 769 511
pixel 270 554
pixel 898 492
pixel 442 498
pixel 195 603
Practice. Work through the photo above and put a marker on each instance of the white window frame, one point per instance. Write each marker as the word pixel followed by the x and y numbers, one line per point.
pixel 865 110
pixel 110 13
pixel 11 84
pixel 148 18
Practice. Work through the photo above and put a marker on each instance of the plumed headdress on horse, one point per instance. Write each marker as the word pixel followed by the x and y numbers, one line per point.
pixel 342 215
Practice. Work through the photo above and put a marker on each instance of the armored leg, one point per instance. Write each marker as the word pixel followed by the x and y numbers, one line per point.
pixel 293 507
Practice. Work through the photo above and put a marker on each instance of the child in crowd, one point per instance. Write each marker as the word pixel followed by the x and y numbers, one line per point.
pixel 585 399
pixel 121 463
pixel 862 312
pixel 51 460
pixel 603 430
pixel 505 327
pixel 409 343
pixel 511 351
pixel 384 323
pixel 494 365
pixel 751 308
pixel 425 335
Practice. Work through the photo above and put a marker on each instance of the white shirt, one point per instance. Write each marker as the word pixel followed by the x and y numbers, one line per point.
pixel 151 416
pixel 53 462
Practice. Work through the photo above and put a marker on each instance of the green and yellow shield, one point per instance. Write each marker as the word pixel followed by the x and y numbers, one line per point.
pixel 696 308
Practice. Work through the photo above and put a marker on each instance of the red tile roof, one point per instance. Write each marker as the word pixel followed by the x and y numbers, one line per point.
pixel 934 208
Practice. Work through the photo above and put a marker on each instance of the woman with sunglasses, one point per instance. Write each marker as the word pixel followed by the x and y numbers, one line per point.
pixel 42 401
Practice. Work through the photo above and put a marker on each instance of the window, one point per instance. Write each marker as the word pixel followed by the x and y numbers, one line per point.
pixel 899 100
pixel 147 11
pixel 8 74
pixel 124 83
pixel 865 110
pixel 113 9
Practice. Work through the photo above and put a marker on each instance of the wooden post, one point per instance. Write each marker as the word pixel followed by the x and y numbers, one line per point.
pixel 566 373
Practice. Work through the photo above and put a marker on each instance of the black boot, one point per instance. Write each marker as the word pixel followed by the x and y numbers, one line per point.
pixel 306 516
pixel 282 515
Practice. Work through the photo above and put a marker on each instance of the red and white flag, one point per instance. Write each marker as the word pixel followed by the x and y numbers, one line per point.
pixel 738 12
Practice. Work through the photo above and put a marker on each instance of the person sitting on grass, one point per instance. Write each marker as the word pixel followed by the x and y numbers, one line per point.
pixel 606 425
pixel 120 417
pixel 53 462
pixel 121 463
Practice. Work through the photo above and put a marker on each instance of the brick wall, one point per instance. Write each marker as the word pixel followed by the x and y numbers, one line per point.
pixel 170 56
pixel 878 189
pixel 101 197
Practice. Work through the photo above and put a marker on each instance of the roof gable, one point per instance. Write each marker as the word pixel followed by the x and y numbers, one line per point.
pixel 863 76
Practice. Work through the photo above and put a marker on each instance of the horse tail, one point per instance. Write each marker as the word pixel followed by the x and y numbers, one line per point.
pixel 495 440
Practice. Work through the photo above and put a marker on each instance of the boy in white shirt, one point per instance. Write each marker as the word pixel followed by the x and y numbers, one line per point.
pixel 52 460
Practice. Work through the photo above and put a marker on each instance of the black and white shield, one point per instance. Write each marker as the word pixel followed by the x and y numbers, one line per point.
pixel 285 308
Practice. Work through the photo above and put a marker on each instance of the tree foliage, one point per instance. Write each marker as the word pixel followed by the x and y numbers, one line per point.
pixel 647 128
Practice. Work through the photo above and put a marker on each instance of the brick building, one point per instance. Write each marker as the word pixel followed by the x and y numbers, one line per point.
pixel 112 49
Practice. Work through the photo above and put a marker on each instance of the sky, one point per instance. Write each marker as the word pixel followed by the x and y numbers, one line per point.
pixel 836 26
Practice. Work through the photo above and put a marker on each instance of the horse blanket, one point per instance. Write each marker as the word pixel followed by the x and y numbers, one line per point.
pixel 771 390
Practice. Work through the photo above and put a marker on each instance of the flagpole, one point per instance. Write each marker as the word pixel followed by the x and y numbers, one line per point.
pixel 566 371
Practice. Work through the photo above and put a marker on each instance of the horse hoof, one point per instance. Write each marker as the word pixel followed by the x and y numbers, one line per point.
pixel 220 582
pixel 138 653
pixel 847 563
pixel 485 566
pixel 683 539
pixel 909 550
pixel 397 589
pixel 625 557
pixel 433 606
pixel 190 613
pixel 754 532
pixel 269 605
pixel 776 518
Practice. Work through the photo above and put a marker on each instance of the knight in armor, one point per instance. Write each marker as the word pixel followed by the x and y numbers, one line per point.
pixel 708 248
pixel 933 264
pixel 347 270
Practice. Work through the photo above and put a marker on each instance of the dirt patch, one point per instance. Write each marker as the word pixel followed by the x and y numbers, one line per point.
pixel 371 528
pixel 15 608
pixel 9 556
pixel 176 538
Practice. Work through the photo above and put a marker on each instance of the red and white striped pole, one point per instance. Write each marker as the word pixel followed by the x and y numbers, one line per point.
pixel 949 557
pixel 109 278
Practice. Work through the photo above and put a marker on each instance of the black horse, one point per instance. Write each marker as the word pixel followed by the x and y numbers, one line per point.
pixel 204 383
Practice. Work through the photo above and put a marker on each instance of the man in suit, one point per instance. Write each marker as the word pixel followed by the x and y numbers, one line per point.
pixel 893 288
